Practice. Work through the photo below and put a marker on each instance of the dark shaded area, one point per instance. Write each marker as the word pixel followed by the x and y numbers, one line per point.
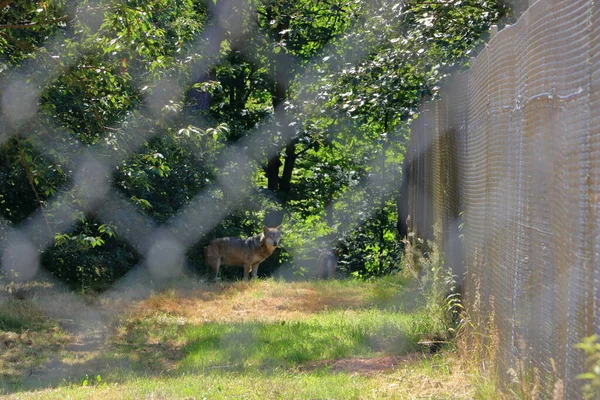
pixel 81 266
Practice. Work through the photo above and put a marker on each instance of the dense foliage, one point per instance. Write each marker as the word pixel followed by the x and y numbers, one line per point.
pixel 210 118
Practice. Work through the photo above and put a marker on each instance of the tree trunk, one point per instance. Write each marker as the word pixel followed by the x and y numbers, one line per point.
pixel 281 74
pixel 272 171
pixel 385 145
pixel 329 212
pixel 278 98
pixel 288 169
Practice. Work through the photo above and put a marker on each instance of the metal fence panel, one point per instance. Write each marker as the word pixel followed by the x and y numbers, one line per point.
pixel 528 152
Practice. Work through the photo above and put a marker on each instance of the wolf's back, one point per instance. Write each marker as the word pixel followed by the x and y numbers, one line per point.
pixel 230 250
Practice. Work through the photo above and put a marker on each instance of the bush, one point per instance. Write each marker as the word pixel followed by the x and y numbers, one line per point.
pixel 90 257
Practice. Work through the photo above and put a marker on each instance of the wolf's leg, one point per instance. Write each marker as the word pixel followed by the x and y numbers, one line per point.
pixel 213 259
pixel 247 268
pixel 215 263
pixel 330 269
pixel 255 270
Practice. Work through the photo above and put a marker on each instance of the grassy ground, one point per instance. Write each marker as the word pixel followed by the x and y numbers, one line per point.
pixel 257 340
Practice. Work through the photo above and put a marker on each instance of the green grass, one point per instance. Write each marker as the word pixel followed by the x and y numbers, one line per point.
pixel 328 335
pixel 252 385
pixel 253 340
pixel 435 378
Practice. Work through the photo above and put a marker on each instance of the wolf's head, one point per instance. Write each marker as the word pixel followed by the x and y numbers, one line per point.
pixel 272 236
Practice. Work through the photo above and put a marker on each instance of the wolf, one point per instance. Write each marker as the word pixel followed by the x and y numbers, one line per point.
pixel 248 253
pixel 327 263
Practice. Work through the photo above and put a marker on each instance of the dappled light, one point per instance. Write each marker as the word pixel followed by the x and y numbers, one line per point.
pixel 335 153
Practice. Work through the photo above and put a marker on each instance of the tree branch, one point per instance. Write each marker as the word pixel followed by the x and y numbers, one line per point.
pixel 33 24
pixel 31 180
pixel 310 146
pixel 24 45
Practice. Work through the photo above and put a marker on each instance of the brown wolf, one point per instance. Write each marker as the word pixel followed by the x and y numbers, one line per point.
pixel 327 264
pixel 248 252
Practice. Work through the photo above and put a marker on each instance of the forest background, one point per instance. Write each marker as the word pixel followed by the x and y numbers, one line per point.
pixel 130 123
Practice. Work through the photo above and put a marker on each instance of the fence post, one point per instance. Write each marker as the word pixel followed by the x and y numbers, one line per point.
pixel 493 31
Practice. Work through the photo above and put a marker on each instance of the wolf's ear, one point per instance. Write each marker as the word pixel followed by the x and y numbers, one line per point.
pixel 277 227
pixel 265 229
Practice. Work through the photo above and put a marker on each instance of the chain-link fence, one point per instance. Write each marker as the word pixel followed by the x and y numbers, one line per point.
pixel 507 160
pixel 161 247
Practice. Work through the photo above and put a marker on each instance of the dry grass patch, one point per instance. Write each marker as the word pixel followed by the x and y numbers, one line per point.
pixel 47 334
pixel 27 339
pixel 257 301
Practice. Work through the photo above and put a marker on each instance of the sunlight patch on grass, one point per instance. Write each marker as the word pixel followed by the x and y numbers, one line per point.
pixel 331 319
pixel 331 335
pixel 270 300
pixel 264 330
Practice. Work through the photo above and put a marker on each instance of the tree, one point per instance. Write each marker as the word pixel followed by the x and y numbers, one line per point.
pixel 413 46
pixel 314 96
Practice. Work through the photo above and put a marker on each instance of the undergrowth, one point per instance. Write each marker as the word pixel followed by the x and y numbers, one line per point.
pixel 475 336
pixel 425 263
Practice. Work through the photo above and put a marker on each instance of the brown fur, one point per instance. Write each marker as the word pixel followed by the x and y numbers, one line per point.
pixel 248 253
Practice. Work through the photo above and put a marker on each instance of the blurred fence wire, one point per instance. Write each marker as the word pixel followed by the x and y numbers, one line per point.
pixel 161 247
pixel 509 158
pixel 513 145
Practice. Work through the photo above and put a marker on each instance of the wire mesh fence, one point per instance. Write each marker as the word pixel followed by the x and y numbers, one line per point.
pixel 160 247
pixel 511 150
pixel 512 144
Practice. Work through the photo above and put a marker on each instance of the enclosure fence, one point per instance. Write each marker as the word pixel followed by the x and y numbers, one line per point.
pixel 507 164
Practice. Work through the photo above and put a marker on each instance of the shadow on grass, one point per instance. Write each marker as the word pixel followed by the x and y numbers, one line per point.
pixel 348 322
pixel 146 350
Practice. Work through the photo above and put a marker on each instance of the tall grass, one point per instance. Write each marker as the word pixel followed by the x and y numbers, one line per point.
pixel 436 283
